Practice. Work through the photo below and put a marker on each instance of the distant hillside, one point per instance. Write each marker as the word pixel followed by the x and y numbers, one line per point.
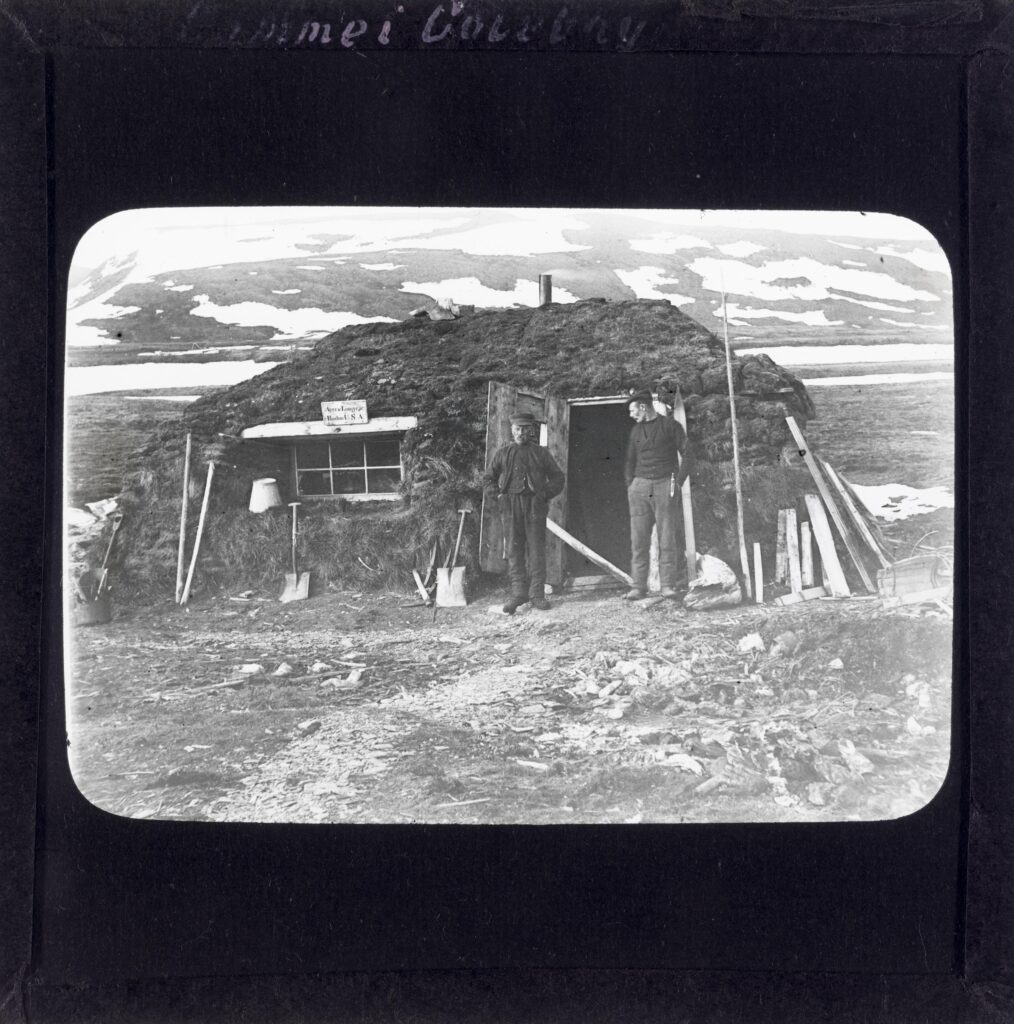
pixel 780 286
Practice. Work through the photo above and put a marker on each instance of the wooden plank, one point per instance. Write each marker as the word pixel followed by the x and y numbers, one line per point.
pixel 499 408
pixel 185 596
pixel 809 594
pixel 855 515
pixel 825 544
pixel 690 540
pixel 868 516
pixel 832 508
pixel 180 557
pixel 806 553
pixel 781 553
pixel 421 587
pixel 792 551
pixel 557 413
pixel 758 574
pixel 583 549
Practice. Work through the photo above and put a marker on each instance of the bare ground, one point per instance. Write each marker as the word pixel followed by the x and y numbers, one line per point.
pixel 595 711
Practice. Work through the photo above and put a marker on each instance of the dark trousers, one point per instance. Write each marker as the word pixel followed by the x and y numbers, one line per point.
pixel 524 527
pixel 651 505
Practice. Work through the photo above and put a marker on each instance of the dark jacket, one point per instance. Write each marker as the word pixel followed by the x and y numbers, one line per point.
pixel 514 463
pixel 655 450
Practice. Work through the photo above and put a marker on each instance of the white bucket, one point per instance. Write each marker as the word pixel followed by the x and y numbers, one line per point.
pixel 264 495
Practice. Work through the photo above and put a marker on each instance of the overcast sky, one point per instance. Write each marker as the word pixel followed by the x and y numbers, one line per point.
pixel 160 234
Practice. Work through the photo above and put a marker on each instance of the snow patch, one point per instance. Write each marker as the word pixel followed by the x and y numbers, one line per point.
pixel 309 266
pixel 471 291
pixel 822 355
pixel 187 353
pixel 666 245
pixel 524 238
pixel 381 266
pixel 812 317
pixel 880 378
pixel 733 276
pixel 869 304
pixel 899 323
pixel 88 337
pixel 286 291
pixel 899 501
pixel 169 287
pixel 854 263
pixel 160 398
pixel 288 323
pixel 93 380
pixel 924 259
pixel 740 250
pixel 81 335
pixel 645 283
pixel 78 518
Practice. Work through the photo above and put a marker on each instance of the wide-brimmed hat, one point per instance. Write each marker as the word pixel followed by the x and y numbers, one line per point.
pixel 642 396
pixel 524 419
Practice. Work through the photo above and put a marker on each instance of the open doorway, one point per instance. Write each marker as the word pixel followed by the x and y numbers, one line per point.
pixel 597 512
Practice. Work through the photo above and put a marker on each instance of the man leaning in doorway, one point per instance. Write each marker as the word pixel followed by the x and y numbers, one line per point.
pixel 524 477
pixel 657 464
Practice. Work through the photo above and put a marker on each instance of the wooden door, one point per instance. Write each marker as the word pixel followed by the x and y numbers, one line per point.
pixel 558 442
pixel 504 401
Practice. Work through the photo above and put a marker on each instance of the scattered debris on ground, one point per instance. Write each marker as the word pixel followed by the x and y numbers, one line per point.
pixel 357 707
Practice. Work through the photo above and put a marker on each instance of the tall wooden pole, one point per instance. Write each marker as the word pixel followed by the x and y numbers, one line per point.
pixel 200 533
pixel 183 522
pixel 743 559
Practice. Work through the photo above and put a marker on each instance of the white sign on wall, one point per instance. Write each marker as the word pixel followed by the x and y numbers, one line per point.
pixel 336 413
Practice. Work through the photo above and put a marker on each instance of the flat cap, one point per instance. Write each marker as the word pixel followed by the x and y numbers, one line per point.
pixel 523 419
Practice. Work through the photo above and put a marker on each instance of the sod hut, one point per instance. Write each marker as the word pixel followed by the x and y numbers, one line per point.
pixel 383 430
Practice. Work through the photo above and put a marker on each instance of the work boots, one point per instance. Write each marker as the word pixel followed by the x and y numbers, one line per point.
pixel 514 604
pixel 540 603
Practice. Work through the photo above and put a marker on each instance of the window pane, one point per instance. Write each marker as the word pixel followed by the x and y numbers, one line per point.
pixel 314 483
pixel 349 482
pixel 383 453
pixel 312 455
pixel 346 453
pixel 384 480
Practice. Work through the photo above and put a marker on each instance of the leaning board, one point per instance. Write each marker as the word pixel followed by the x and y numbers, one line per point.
pixel 837 583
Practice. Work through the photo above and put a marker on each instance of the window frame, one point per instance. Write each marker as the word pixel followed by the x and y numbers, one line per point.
pixel 356 496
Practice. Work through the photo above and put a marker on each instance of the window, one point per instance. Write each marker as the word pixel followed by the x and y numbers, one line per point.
pixel 357 468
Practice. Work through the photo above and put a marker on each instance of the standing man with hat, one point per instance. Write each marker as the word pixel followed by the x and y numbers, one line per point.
pixel 523 477
pixel 656 466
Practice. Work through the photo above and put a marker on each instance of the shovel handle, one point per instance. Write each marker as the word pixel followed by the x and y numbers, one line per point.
pixel 117 519
pixel 457 544
pixel 294 505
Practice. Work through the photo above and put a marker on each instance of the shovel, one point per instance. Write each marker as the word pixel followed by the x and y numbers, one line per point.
pixel 93 589
pixel 297 584
pixel 102 577
pixel 451 578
